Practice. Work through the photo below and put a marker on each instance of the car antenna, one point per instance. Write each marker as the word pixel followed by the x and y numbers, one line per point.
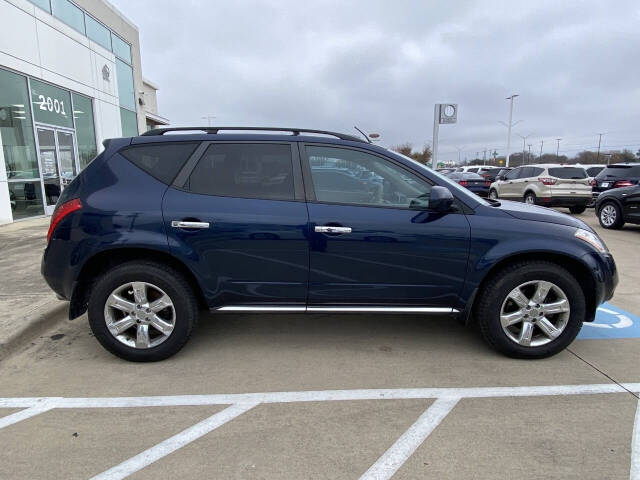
pixel 363 134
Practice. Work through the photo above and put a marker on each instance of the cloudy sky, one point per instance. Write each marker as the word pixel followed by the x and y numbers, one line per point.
pixel 382 65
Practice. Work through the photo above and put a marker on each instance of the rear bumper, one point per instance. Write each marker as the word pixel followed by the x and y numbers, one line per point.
pixel 564 201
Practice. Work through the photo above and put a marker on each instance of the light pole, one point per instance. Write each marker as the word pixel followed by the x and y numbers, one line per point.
pixel 541 144
pixel 558 148
pixel 529 157
pixel 509 127
pixel 459 150
pixel 524 140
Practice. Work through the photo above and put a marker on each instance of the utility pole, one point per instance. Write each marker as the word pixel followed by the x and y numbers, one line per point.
pixel 477 156
pixel 208 118
pixel 495 154
pixel 529 151
pixel 524 140
pixel 541 144
pixel 484 157
pixel 459 150
pixel 558 148
pixel 599 141
pixel 509 125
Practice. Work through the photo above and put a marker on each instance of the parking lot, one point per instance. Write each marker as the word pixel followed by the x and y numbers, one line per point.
pixel 330 396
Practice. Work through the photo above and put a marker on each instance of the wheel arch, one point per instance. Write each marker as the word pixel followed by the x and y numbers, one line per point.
pixel 580 270
pixel 107 259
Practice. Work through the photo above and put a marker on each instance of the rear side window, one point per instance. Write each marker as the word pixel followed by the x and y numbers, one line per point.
pixel 620 171
pixel 568 172
pixel 593 171
pixel 245 170
pixel 162 161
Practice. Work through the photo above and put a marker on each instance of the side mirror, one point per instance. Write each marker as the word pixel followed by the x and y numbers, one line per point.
pixel 440 200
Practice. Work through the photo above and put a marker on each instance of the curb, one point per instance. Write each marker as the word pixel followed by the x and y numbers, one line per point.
pixel 37 322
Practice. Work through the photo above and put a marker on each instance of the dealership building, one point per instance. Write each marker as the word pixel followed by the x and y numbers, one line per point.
pixel 70 77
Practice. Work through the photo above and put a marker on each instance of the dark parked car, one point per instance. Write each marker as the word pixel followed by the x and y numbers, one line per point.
pixel 489 173
pixel 160 226
pixel 472 182
pixel 616 176
pixel 619 206
pixel 502 173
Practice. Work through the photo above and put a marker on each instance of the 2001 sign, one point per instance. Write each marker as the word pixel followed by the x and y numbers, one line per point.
pixel 51 104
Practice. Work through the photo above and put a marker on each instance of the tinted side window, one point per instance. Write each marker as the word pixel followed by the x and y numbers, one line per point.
pixel 513 174
pixel 343 175
pixel 245 170
pixel 593 171
pixel 536 171
pixel 472 170
pixel 526 172
pixel 622 171
pixel 162 161
pixel 568 172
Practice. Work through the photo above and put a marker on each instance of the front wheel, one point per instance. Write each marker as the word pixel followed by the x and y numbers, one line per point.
pixel 532 309
pixel 530 198
pixel 577 209
pixel 493 194
pixel 610 216
pixel 142 311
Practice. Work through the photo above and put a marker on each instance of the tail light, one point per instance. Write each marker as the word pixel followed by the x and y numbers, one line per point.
pixel 463 183
pixel 62 211
pixel 487 183
pixel 623 183
pixel 548 180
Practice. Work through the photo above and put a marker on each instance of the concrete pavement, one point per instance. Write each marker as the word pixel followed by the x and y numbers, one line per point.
pixel 557 436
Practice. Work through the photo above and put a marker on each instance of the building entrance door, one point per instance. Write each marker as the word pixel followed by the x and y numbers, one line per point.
pixel 57 154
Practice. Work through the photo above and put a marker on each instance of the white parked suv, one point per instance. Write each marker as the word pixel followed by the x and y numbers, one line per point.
pixel 550 185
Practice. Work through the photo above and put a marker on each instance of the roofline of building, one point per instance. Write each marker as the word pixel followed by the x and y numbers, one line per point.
pixel 121 15
pixel 150 83
pixel 157 118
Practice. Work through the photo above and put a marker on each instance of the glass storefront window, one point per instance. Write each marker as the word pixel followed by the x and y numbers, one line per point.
pixel 98 32
pixel 121 48
pixel 43 4
pixel 85 129
pixel 16 129
pixel 126 92
pixel 51 105
pixel 69 14
pixel 129 121
pixel 25 199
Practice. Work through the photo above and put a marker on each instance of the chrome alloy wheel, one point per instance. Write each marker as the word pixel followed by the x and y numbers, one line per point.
pixel 608 215
pixel 529 199
pixel 493 195
pixel 534 313
pixel 139 315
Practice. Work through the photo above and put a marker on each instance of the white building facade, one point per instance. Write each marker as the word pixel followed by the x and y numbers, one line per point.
pixel 70 77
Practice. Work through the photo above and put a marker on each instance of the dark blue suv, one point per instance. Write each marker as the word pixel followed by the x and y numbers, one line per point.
pixel 162 225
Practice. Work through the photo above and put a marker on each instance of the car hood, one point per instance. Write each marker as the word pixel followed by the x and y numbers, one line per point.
pixel 539 214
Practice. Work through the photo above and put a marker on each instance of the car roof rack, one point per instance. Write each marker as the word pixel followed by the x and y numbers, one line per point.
pixel 216 130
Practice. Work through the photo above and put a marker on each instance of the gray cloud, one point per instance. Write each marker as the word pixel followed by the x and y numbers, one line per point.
pixel 382 65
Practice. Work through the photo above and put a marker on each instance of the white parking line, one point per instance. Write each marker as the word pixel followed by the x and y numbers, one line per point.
pixel 635 447
pixel 383 468
pixel 391 460
pixel 172 444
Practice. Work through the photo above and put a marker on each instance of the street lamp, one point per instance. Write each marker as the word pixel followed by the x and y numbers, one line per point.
pixel 558 148
pixel 524 141
pixel 509 126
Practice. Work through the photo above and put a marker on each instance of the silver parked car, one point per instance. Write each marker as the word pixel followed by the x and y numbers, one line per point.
pixel 550 185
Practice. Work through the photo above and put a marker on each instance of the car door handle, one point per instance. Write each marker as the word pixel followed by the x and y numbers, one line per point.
pixel 189 225
pixel 330 229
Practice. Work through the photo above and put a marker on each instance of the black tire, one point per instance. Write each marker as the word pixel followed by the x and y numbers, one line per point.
pixel 618 220
pixel 530 195
pixel 171 282
pixel 494 192
pixel 495 291
pixel 577 209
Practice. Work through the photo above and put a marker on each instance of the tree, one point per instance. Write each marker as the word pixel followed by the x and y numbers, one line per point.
pixel 623 156
pixel 422 156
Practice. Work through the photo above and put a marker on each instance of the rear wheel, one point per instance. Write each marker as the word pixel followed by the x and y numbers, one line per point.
pixel 610 216
pixel 493 194
pixel 577 209
pixel 532 309
pixel 142 311
pixel 530 198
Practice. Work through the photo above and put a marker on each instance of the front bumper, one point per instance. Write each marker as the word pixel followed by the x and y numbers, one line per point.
pixel 605 276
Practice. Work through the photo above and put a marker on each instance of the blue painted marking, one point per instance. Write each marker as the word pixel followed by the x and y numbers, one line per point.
pixel 611 322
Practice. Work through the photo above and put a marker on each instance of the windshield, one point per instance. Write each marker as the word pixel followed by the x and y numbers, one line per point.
pixel 455 188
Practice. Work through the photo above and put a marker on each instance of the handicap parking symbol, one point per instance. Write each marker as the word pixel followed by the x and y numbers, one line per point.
pixel 611 322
